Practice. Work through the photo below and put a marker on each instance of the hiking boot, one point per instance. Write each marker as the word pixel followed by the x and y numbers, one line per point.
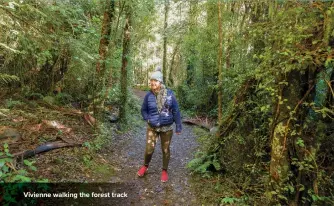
pixel 141 172
pixel 164 176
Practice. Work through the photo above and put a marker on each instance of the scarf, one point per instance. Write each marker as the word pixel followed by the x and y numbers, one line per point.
pixel 161 97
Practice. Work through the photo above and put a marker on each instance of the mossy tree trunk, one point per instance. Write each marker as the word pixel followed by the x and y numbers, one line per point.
pixel 220 65
pixel 312 136
pixel 172 65
pixel 103 52
pixel 288 101
pixel 125 60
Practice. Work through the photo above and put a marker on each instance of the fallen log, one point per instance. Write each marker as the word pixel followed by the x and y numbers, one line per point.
pixel 42 148
pixel 196 122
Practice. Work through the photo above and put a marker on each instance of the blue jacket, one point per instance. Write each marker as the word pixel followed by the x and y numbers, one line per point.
pixel 169 113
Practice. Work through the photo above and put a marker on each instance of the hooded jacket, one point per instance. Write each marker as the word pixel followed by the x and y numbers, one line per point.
pixel 169 113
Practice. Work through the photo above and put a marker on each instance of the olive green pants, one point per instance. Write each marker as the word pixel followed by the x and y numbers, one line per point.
pixel 151 140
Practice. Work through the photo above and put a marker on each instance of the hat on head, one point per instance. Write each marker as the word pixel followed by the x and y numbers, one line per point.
pixel 157 75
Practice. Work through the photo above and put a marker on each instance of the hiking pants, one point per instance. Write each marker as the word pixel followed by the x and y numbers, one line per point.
pixel 151 140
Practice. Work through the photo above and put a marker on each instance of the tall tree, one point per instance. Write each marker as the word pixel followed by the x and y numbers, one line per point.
pixel 164 61
pixel 103 51
pixel 191 57
pixel 171 69
pixel 220 64
pixel 125 60
pixel 113 45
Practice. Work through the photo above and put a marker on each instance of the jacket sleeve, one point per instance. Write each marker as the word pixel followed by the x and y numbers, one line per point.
pixel 144 108
pixel 176 114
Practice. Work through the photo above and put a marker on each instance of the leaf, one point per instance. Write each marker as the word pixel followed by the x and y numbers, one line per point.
pixel 291 188
pixel 203 168
pixel 43 181
pixel 216 165
pixel 302 188
pixel 229 200
pixel 33 168
pixel 300 142
pixel 5 168
pixel 314 197
pixel 9 48
pixel 282 197
pixel 2 162
pixel 22 178
pixel 283 82
pixel 27 162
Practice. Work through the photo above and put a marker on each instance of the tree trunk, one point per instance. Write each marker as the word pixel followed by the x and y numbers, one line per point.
pixel 125 57
pixel 170 76
pixel 164 67
pixel 228 53
pixel 109 82
pixel 283 125
pixel 190 71
pixel 220 56
pixel 311 136
pixel 103 51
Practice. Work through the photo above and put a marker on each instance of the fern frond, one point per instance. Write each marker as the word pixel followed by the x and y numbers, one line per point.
pixel 6 79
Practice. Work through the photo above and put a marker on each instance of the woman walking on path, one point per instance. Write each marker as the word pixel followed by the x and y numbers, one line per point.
pixel 160 110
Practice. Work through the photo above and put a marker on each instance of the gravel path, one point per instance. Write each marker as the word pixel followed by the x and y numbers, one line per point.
pixel 126 153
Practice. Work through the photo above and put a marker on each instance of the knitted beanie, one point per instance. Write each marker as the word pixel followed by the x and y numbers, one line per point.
pixel 157 75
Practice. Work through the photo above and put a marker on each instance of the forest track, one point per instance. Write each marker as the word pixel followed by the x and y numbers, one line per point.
pixel 126 153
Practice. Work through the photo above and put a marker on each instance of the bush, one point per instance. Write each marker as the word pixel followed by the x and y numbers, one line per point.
pixel 64 98
pixel 13 103
pixel 33 96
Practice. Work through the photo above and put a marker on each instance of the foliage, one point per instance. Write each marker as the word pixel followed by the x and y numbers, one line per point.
pixel 8 172
pixel 64 98
pixel 203 163
pixel 280 42
pixel 51 40
pixel 12 179
pixel 233 200
pixel 12 103
pixel 33 95
pixel 6 79
pixel 49 99
pixel 54 46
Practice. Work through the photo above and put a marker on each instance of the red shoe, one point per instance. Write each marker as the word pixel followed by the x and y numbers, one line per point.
pixel 141 172
pixel 164 176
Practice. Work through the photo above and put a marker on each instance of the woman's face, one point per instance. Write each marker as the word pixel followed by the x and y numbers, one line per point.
pixel 155 84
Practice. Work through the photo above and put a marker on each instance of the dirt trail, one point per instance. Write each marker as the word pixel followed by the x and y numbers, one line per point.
pixel 127 153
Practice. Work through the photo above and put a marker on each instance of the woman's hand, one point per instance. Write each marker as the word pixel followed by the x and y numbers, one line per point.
pixel 178 133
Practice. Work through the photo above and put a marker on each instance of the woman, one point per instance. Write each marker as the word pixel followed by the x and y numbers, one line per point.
pixel 160 110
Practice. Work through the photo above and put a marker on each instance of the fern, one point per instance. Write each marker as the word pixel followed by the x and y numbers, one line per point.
pixel 6 79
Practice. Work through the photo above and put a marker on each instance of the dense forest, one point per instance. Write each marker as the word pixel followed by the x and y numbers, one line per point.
pixel 255 77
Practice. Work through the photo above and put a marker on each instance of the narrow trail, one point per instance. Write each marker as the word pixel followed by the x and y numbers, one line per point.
pixel 127 155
